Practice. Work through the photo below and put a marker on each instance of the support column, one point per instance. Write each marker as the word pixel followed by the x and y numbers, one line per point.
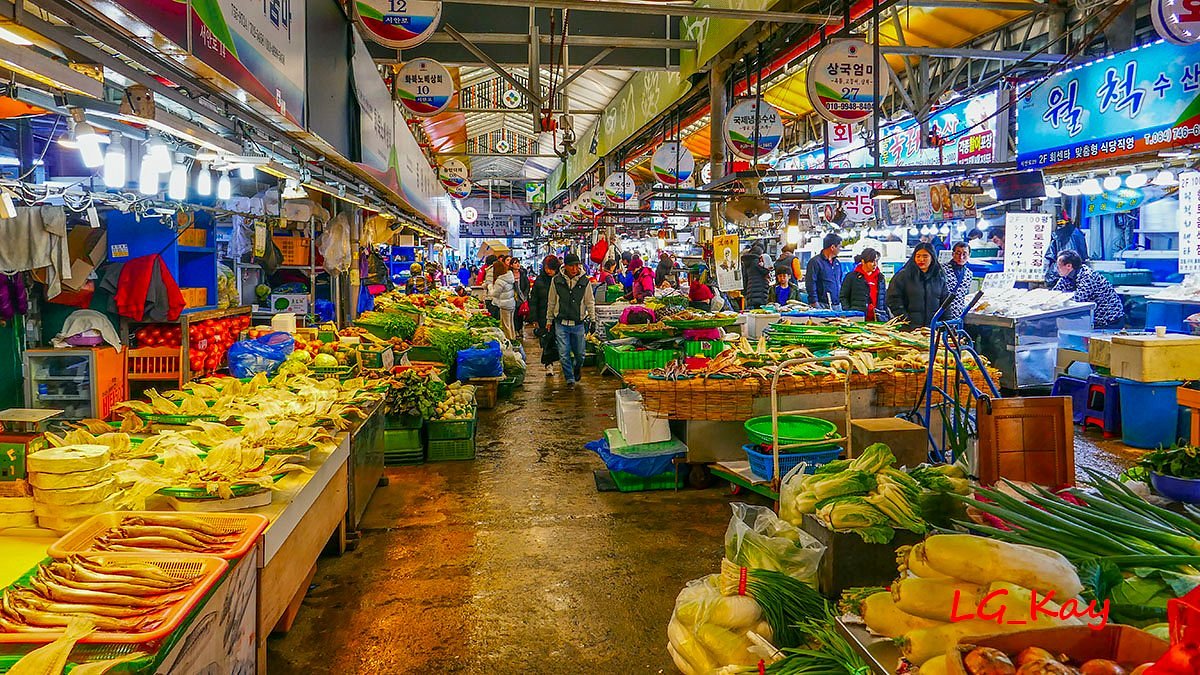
pixel 716 134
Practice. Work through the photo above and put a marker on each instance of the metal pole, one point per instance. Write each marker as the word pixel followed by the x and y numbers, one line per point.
pixel 716 135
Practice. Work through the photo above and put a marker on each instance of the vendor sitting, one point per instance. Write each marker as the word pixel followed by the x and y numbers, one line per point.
pixel 417 283
pixel 700 294
pixel 1089 286
pixel 786 289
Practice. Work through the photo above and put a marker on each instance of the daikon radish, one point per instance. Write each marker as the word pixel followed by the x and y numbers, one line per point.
pixel 935 666
pixel 680 662
pixel 689 648
pixel 727 648
pixel 982 561
pixel 882 617
pixel 910 561
pixel 924 644
pixel 936 599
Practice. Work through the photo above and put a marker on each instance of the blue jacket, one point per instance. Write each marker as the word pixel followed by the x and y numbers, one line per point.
pixel 823 281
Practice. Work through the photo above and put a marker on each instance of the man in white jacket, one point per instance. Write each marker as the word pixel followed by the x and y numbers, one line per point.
pixel 570 306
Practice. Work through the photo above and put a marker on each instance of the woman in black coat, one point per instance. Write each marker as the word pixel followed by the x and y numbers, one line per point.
pixel 919 288
pixel 539 300
pixel 756 279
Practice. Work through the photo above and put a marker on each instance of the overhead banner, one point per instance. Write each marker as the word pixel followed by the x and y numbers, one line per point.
pixel 728 262
pixel 843 78
pixel 711 34
pixel 1138 101
pixel 424 87
pixel 1026 236
pixel 499 226
pixel 939 202
pixel 753 129
pixel 377 113
pixel 1189 222
pixel 397 24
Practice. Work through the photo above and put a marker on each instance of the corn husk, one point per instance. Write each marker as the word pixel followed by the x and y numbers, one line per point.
pixel 67 459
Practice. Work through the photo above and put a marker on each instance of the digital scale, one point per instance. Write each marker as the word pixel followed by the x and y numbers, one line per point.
pixel 21 434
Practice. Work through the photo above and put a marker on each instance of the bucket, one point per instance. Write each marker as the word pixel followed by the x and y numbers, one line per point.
pixel 1152 423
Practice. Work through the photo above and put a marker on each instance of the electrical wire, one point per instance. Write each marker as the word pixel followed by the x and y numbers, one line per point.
pixel 45 149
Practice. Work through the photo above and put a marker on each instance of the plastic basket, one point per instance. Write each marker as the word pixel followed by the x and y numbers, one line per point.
pixel 178 420
pixel 408 457
pixel 341 373
pixel 161 363
pixel 295 250
pixel 709 348
pixel 450 430
pixel 419 353
pixel 763 463
pixel 404 422
pixel 205 570
pixel 83 538
pixel 628 482
pixel 792 429
pixel 401 439
pixel 374 357
pixel 194 237
pixel 194 297
pixel 646 359
pixel 442 451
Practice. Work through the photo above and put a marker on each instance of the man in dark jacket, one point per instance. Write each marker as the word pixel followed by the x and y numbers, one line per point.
pixel 538 303
pixel 755 278
pixel 919 288
pixel 823 276
pixel 865 290
pixel 1067 237
pixel 665 272
pixel 571 305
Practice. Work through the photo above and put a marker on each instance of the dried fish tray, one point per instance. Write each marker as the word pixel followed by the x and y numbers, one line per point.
pixel 82 539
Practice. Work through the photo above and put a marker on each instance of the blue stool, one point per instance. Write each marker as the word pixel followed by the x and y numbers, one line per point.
pixel 1077 389
pixel 1103 405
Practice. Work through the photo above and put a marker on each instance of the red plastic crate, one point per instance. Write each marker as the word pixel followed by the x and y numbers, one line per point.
pixel 295 250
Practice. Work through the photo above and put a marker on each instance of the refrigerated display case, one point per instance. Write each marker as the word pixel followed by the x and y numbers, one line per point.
pixel 83 382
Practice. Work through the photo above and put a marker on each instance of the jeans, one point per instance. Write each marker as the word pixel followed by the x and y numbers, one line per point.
pixel 570 349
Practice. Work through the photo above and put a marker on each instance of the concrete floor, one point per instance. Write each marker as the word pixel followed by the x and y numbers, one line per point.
pixel 514 563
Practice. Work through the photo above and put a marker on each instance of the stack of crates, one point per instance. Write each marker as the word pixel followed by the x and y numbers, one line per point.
pixel 402 441
pixel 450 439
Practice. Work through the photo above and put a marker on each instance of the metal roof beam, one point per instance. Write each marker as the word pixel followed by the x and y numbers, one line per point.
pixel 977 54
pixel 485 111
pixel 479 54
pixel 609 41
pixel 618 7
pixel 593 62
pixel 993 5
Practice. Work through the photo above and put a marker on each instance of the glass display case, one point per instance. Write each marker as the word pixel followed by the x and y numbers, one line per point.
pixel 83 382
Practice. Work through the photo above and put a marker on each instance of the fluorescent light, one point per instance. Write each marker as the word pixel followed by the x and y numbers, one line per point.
pixel 89 145
pixel 1071 189
pixel 1052 191
pixel 224 187
pixel 1112 182
pixel 792 235
pixel 1165 179
pixel 148 177
pixel 116 167
pixel 177 184
pixel 1090 187
pixel 159 155
pixel 246 171
pixel 1136 180
pixel 292 190
pixel 204 185
pixel 12 38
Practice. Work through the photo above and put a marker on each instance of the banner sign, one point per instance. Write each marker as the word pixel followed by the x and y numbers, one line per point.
pixel 397 24
pixel 535 193
pixel 1176 21
pixel 728 262
pixel 424 87
pixel 1138 101
pixel 1026 236
pixel 1121 200
pixel 938 203
pixel 498 226
pixel 1189 222
pixel 842 80
pixel 376 109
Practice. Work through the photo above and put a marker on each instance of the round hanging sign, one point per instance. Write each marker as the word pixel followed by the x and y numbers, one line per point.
pixel 398 24
pixel 596 197
pixel 706 173
pixel 861 207
pixel 842 80
pixel 619 188
pixel 470 214
pixel 461 191
pixel 1176 21
pixel 452 172
pixel 753 129
pixel 511 98
pixel 424 87
pixel 503 146
pixel 672 163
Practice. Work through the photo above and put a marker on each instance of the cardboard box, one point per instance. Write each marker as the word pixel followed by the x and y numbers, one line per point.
pixel 1100 351
pixel 292 303
pixel 1126 645
pixel 1150 358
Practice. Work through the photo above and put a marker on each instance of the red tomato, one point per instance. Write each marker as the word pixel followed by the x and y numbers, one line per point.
pixel 196 363
pixel 1180 659
pixel 174 341
pixel 154 331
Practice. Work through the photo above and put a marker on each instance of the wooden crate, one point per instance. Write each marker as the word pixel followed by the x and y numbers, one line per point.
pixel 1030 439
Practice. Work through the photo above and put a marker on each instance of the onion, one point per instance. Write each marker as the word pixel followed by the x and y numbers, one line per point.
pixel 988 661
pixel 1101 667
pixel 1033 654
pixel 1045 667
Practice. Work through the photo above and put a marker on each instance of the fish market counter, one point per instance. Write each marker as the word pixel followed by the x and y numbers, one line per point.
pixel 1025 349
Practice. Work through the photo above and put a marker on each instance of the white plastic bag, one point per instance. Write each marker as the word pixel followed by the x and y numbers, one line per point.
pixel 709 631
pixel 791 486
pixel 759 539
pixel 335 245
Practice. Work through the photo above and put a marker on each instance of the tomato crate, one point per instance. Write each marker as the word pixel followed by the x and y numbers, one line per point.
pixel 628 482
pixel 451 430
pixel 295 250
pixel 194 297
pixel 155 363
pixel 443 451
pixel 646 359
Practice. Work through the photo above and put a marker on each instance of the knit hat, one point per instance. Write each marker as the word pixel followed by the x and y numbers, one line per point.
pixel 571 259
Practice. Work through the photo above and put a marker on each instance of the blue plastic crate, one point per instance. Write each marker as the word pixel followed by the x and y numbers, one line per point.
pixel 763 464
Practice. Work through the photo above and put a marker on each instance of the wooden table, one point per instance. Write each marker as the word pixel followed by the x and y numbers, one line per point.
pixel 1190 398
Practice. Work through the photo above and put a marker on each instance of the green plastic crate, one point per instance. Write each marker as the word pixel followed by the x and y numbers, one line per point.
pixel 417 353
pixel 709 348
pixel 401 439
pixel 646 359
pixel 404 457
pixel 443 451
pixel 627 482
pixel 404 422
pixel 341 373
pixel 451 430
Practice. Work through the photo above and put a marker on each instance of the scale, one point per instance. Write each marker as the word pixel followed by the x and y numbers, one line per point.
pixel 21 435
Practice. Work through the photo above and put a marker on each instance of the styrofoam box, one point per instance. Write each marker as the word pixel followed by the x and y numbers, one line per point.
pixel 757 323
pixel 636 425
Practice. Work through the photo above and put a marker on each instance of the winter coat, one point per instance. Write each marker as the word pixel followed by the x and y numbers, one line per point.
pixel 856 294
pixel 539 298
pixel 1090 286
pixel 823 280
pixel 789 263
pixel 665 271
pixel 917 295
pixel 504 291
pixel 1061 241
pixel 643 284
pixel 961 290
pixel 755 281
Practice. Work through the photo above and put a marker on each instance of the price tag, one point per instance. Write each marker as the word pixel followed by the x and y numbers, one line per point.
pixel 998 281
pixel 118 251
pixel 260 238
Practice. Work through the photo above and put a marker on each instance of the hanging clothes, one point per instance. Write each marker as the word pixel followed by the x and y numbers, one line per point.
pixel 35 238
pixel 143 289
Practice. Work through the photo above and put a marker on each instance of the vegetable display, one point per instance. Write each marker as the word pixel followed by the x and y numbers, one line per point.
pixel 391 324
pixel 1178 462
pixel 413 393
pixel 458 404
pixel 449 341
pixel 1036 661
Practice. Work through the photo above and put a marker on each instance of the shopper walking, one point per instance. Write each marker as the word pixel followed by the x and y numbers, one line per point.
pixel 756 278
pixel 959 279
pixel 570 307
pixel 823 276
pixel 865 290
pixel 918 289
pixel 539 300
pixel 1087 285
pixel 504 297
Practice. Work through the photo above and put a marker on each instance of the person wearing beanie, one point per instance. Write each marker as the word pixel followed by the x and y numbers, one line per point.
pixel 823 276
pixel 571 305
pixel 919 288
pixel 417 283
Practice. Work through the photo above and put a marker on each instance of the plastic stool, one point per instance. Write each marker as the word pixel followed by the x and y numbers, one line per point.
pixel 1077 389
pixel 1103 405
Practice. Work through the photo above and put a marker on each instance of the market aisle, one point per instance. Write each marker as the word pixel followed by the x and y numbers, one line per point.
pixel 512 563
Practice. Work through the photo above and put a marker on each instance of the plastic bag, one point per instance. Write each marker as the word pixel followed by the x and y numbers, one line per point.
pixel 335 245
pixel 227 291
pixel 790 487
pixel 757 538
pixel 709 631
pixel 241 239
pixel 645 465
pixel 248 358
pixel 485 362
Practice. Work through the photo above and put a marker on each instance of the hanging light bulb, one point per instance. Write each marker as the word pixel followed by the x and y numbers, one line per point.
pixel 204 184
pixel 177 183
pixel 148 177
pixel 944 231
pixel 1112 182
pixel 961 227
pixel 88 141
pixel 898 231
pixel 927 230
pixel 792 235
pixel 1052 191
pixel 1091 187
pixel 116 170
pixel 159 154
pixel 1164 179
pixel 914 231
pixel 224 186
pixel 246 171
pixel 1136 180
